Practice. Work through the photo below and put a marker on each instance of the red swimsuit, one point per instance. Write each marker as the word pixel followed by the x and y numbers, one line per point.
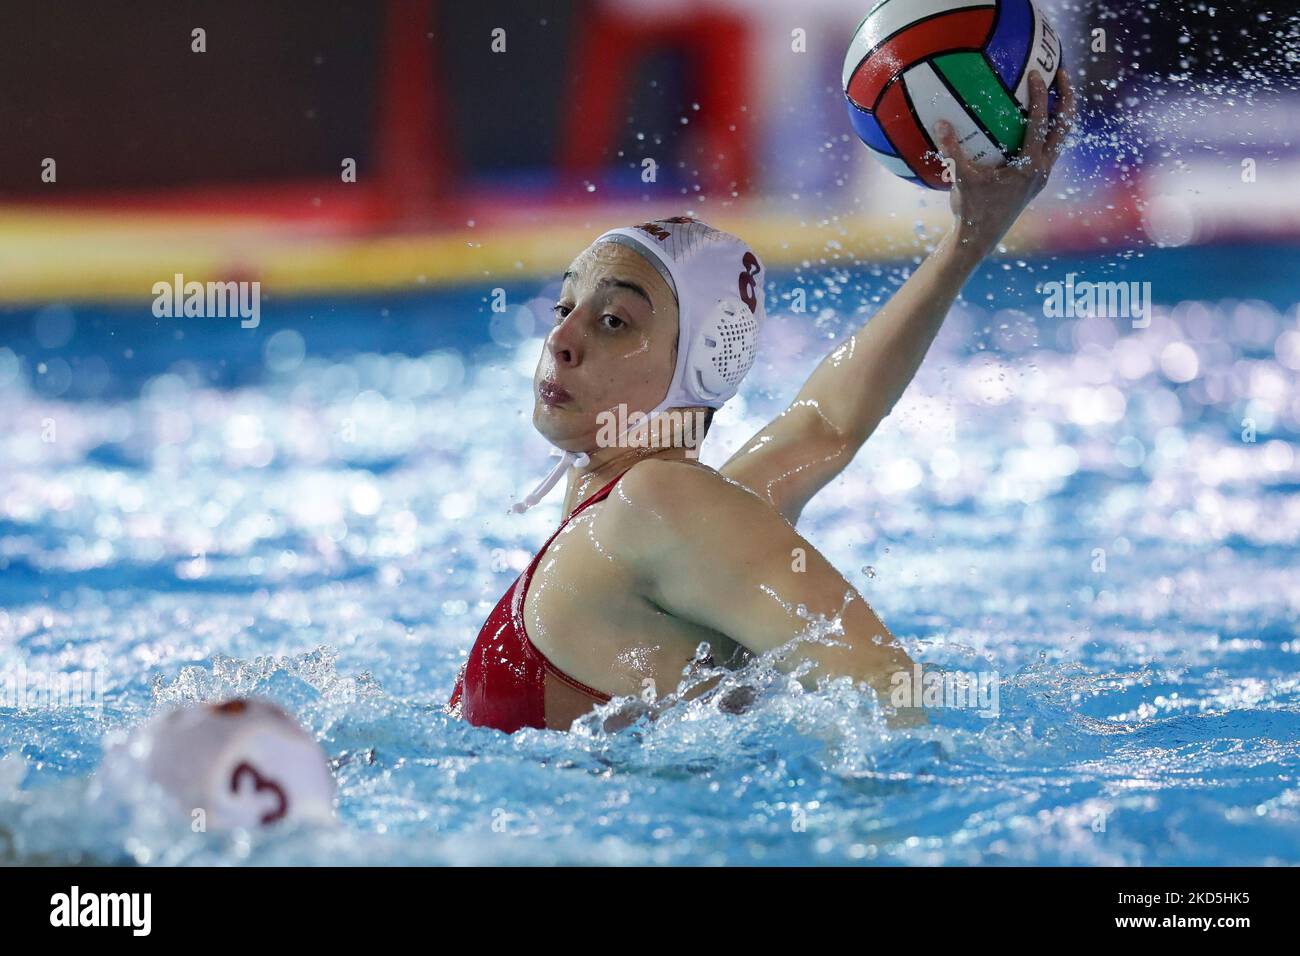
pixel 507 683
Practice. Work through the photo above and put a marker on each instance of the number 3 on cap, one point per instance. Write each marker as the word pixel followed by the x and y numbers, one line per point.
pixel 261 784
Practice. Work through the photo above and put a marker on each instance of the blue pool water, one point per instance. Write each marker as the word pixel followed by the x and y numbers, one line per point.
pixel 315 511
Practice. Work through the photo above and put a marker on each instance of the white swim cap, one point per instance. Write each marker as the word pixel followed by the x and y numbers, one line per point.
pixel 243 763
pixel 718 281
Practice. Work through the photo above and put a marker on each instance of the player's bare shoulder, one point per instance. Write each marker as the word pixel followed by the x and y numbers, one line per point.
pixel 680 487
pixel 660 504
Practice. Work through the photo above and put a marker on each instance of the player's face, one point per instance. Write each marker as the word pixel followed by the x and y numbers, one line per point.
pixel 614 342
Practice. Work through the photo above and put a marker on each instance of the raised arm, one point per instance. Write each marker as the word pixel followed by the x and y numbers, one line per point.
pixel 859 382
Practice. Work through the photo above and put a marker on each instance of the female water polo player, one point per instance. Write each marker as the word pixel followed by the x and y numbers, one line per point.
pixel 660 554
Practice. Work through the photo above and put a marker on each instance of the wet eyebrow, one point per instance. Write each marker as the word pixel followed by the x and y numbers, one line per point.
pixel 630 286
pixel 618 283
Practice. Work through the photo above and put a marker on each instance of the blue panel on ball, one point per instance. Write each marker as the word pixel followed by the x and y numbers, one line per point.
pixel 868 129
pixel 1008 48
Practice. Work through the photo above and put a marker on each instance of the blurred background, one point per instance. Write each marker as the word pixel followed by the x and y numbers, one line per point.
pixel 473 163
pixel 313 507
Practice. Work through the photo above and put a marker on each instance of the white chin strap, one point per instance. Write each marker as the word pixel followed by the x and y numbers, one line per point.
pixel 578 459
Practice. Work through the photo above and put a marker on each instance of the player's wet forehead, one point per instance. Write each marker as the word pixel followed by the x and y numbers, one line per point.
pixel 610 267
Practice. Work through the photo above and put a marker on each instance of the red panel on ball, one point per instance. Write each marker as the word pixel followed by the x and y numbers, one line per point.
pixel 960 30
pixel 901 126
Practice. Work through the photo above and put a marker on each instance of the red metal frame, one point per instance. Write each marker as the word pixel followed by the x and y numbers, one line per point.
pixel 716 44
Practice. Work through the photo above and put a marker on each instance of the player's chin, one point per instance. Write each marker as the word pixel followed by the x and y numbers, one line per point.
pixel 558 424
pixel 546 412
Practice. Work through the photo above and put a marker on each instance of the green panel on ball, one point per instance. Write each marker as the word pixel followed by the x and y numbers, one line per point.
pixel 976 85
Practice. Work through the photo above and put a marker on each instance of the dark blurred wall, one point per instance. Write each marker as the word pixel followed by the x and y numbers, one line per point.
pixel 1191 39
pixel 507 109
pixel 287 88
pixel 112 91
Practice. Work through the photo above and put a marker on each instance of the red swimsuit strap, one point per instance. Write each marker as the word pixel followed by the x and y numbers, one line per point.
pixel 598 496
pixel 522 593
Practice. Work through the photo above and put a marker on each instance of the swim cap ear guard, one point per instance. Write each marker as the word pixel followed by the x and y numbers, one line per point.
pixel 718 282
